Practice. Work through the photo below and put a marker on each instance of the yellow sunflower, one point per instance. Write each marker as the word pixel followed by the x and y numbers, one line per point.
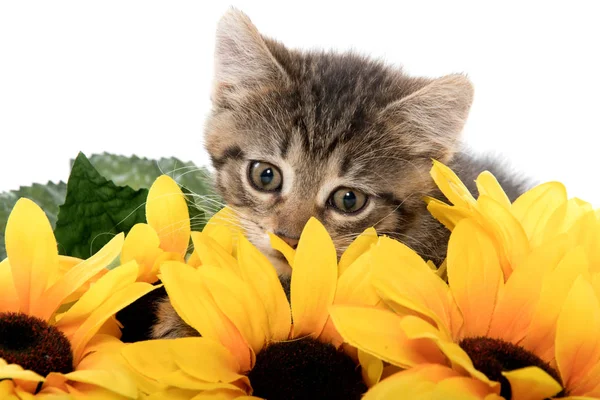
pixel 249 344
pixel 432 382
pixel 521 310
pixel 44 353
pixel 537 216
pixel 166 235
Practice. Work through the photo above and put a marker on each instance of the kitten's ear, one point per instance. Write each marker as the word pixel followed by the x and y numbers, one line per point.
pixel 432 118
pixel 241 54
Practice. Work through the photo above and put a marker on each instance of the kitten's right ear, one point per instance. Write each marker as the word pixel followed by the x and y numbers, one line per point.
pixel 432 118
pixel 242 57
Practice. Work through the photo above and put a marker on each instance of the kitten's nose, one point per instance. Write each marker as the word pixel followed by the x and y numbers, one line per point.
pixel 292 242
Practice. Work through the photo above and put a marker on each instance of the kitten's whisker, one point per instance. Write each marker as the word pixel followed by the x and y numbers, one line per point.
pixel 198 169
pixel 393 211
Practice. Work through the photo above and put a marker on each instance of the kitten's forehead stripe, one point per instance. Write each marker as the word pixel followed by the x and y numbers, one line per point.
pixel 284 145
pixel 230 153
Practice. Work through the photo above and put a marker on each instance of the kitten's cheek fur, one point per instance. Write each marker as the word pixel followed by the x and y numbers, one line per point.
pixel 170 325
pixel 281 266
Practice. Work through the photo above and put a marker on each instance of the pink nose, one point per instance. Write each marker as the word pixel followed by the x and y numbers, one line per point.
pixel 292 242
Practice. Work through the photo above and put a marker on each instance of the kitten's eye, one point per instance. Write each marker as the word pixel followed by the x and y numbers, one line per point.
pixel 347 200
pixel 264 176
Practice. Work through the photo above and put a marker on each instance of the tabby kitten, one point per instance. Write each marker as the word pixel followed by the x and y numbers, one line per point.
pixel 347 139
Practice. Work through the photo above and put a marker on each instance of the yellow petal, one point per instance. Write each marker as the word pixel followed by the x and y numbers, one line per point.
pixel 65 264
pixel 172 393
pixel 451 186
pixel 354 286
pixel 225 218
pixel 595 280
pixel 405 281
pixel 98 317
pixel 555 289
pixel 518 300
pixel 216 364
pixel 278 244
pixel 222 235
pixel 14 371
pixel 223 394
pixel 461 361
pixel 99 293
pixel 359 246
pixel 167 213
pixel 577 339
pixel 9 301
pixel 161 358
pixel 239 303
pixel 487 185
pixel 194 260
pixel 531 383
pixel 195 305
pixel 142 244
pixel 515 306
pixel 111 293
pixel 462 388
pixel 7 390
pixel 32 251
pixel 417 329
pixel 183 380
pixel 563 218
pixel 314 279
pixel 151 276
pixel 106 370
pixel 257 271
pixel 586 232
pixel 533 208
pixel 210 252
pixel 588 385
pixel 379 332
pixel 512 239
pixel 371 368
pixel 415 383
pixel 447 215
pixel 474 276
pixel 84 391
pixel 76 277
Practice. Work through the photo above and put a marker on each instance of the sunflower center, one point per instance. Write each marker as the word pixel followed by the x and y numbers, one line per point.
pixel 34 345
pixel 305 369
pixel 494 356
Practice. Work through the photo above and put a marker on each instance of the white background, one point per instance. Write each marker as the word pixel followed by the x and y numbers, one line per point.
pixel 134 76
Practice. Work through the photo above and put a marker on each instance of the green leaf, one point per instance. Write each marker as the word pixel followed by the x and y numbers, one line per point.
pixel 197 215
pixel 48 197
pixel 141 172
pixel 95 210
pixel 131 171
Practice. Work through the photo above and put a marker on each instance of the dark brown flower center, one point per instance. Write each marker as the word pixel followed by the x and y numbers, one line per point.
pixel 305 369
pixel 34 345
pixel 494 356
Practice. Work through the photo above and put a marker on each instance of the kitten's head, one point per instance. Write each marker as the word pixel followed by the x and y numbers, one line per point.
pixel 336 136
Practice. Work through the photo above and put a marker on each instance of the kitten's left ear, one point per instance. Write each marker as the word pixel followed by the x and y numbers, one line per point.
pixel 242 56
pixel 431 119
